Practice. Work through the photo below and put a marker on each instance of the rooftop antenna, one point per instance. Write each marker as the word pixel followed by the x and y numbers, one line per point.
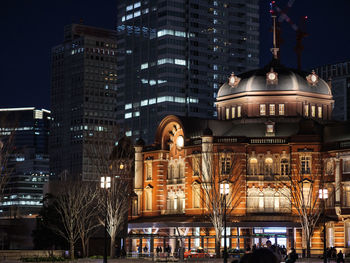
pixel 275 49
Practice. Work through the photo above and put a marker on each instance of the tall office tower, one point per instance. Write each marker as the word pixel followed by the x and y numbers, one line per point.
pixel 174 55
pixel 83 99
pixel 339 74
pixel 28 164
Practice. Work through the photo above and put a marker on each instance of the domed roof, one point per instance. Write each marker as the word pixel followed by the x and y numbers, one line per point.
pixel 287 80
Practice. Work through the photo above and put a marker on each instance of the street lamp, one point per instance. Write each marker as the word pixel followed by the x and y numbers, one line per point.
pixel 323 194
pixel 105 184
pixel 224 190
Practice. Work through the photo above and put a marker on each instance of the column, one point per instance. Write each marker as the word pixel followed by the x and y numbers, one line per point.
pixel 138 176
pixel 337 182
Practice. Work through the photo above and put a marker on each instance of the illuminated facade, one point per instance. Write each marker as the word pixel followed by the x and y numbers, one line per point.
pixel 28 164
pixel 173 57
pixel 276 122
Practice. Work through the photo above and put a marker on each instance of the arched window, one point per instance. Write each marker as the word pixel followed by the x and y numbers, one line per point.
pixel 261 201
pixel 171 171
pixel 284 167
pixel 268 166
pixel 253 164
pixel 181 170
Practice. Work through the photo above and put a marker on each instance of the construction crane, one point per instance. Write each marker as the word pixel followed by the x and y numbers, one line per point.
pixel 300 30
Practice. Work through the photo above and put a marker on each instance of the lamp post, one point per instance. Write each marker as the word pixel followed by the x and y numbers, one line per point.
pixel 105 184
pixel 224 190
pixel 323 194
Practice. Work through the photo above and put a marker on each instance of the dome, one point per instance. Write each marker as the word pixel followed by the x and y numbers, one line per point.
pixel 286 79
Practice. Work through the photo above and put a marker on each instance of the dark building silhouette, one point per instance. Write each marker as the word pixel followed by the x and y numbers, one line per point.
pixel 83 98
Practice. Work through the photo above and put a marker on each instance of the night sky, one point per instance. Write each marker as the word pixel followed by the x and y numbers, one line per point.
pixel 29 29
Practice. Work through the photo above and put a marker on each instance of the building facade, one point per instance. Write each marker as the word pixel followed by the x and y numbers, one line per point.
pixel 274 128
pixel 339 74
pixel 174 55
pixel 28 163
pixel 83 98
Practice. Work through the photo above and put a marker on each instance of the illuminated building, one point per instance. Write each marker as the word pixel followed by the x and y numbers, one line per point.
pixel 276 122
pixel 28 164
pixel 83 98
pixel 174 55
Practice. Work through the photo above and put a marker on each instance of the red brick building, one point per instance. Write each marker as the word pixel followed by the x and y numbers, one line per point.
pixel 273 124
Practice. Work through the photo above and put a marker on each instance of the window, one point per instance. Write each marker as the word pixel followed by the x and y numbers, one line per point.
pixel 330 236
pixel 148 195
pixel 319 111
pixel 313 111
pixel 197 234
pixel 272 109
pixel 281 109
pixel 225 163
pixel 196 195
pixel 149 171
pixel 306 110
pixel 253 164
pixel 305 164
pixel 239 111
pixel 233 109
pixel 268 166
pixel 228 233
pixel 346 165
pixel 171 171
pixel 347 234
pixel 284 167
pixel 196 165
pixel 227 113
pixel 262 109
pixel 181 170
pixel 346 197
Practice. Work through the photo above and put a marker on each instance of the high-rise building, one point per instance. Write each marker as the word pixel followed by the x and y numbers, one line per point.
pixel 83 98
pixel 339 74
pixel 28 163
pixel 174 55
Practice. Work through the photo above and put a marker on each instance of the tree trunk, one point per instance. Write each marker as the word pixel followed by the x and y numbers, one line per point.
pixel 87 246
pixel 112 248
pixel 83 245
pixel 217 248
pixel 308 248
pixel 71 249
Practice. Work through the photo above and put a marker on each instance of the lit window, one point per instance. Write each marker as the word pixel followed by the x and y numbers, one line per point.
pixel 225 163
pixel 128 106
pixel 319 111
pixel 306 110
pixel 128 115
pixel 129 7
pixel 128 133
pixel 262 109
pixel 137 13
pixel 281 109
pixel 233 112
pixel 268 166
pixel 138 4
pixel 239 111
pixel 149 171
pixel 305 164
pixel 227 113
pixel 253 163
pixel 284 167
pixel 272 109
pixel 313 111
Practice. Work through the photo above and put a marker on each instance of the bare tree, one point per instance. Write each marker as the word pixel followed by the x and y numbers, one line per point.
pixel 72 200
pixel 303 195
pixel 115 162
pixel 87 220
pixel 216 170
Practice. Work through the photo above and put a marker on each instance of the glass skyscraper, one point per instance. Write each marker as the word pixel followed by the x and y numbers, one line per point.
pixel 28 164
pixel 174 55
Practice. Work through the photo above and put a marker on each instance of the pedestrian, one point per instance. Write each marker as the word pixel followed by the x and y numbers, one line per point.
pixel 145 249
pixel 340 257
